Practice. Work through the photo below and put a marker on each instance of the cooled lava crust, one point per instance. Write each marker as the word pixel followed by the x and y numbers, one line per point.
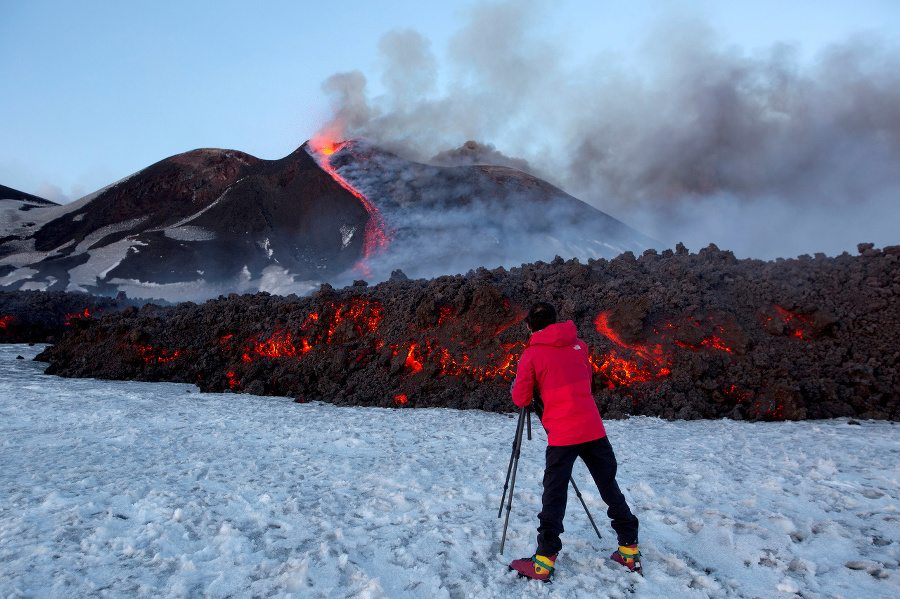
pixel 676 335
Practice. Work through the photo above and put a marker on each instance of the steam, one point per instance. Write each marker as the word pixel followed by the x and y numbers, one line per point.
pixel 472 153
pixel 758 151
pixel 51 192
pixel 446 220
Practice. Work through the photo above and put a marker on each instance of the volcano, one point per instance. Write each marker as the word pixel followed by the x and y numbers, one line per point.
pixel 211 222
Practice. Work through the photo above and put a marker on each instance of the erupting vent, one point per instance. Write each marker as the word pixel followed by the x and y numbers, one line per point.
pixel 376 236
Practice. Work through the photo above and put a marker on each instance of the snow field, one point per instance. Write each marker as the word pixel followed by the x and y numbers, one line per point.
pixel 115 489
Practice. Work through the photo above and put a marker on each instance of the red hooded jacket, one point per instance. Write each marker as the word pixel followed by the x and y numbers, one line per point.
pixel 556 361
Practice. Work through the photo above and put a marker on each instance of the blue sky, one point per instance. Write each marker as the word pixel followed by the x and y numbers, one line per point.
pixel 93 91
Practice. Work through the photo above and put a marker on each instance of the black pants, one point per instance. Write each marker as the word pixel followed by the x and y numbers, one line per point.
pixel 600 460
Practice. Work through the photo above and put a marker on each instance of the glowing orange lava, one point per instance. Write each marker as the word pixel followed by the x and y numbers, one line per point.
pixel 644 362
pixel 650 361
pixel 414 358
pixel 360 319
pixel 376 237
pixel 5 321
pixel 233 381
pixel 155 355
pixel 279 345
pixel 71 317
pixel 400 399
pixel 364 315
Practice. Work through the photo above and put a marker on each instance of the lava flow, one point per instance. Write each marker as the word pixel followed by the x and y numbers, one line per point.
pixel 651 363
pixel 375 237
pixel 651 360
pixel 71 317
pixel 154 354
pixel 794 321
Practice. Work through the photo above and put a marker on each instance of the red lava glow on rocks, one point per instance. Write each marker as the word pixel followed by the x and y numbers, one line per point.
pixel 71 317
pixel 356 317
pixel 359 319
pixel 500 364
pixel 154 354
pixel 414 358
pixel 233 381
pixel 633 362
pixel 5 321
pixel 738 342
pixel 278 345
pixel 648 362
pixel 794 321
pixel 376 236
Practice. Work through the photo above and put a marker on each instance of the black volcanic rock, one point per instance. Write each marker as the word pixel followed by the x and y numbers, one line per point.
pixel 675 335
pixel 8 193
pixel 159 196
pixel 212 217
pixel 44 316
pixel 286 212
pixel 211 222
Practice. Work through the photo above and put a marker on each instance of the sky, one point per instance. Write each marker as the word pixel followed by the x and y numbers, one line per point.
pixel 94 91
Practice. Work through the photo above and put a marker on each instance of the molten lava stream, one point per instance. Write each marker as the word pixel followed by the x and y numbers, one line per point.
pixel 652 362
pixel 375 237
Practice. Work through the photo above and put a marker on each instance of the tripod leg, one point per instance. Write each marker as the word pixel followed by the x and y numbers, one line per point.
pixel 512 456
pixel 578 493
pixel 517 446
pixel 517 443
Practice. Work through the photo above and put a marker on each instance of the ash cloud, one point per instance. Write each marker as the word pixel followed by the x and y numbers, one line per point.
pixel 474 153
pixel 758 151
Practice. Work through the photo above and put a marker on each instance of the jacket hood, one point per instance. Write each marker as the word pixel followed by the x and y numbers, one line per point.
pixel 557 335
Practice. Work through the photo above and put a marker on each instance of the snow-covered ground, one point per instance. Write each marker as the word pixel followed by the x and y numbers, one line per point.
pixel 122 489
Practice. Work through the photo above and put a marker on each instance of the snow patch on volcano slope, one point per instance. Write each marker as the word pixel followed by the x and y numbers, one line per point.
pixel 189 233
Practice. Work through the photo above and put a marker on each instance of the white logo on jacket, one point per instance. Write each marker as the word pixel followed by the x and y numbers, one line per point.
pixel 576 347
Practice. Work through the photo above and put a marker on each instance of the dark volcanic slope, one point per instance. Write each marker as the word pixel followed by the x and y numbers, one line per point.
pixel 675 335
pixel 287 212
pixel 451 219
pixel 206 217
pixel 211 222
pixel 8 193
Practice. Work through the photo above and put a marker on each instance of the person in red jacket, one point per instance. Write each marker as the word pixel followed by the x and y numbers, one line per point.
pixel 555 365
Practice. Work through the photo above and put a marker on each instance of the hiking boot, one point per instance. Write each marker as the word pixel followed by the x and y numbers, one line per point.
pixel 538 567
pixel 628 556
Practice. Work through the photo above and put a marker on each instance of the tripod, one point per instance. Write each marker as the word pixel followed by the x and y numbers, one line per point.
pixel 525 414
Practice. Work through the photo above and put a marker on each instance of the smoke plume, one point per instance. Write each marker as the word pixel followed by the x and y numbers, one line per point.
pixel 759 151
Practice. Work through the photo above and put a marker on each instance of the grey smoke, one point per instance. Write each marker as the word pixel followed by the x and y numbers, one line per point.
pixel 472 153
pixel 51 192
pixel 452 220
pixel 758 151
